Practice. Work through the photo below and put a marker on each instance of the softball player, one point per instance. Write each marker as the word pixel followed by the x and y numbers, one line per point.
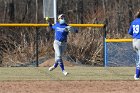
pixel 60 41
pixel 134 30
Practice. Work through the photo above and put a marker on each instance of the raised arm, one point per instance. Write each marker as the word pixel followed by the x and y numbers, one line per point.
pixel 49 22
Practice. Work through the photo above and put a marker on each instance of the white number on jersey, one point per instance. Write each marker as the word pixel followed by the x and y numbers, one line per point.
pixel 136 29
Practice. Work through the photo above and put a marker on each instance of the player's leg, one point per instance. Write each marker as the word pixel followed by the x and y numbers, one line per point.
pixel 55 64
pixel 63 48
pixel 137 75
pixel 136 46
pixel 57 53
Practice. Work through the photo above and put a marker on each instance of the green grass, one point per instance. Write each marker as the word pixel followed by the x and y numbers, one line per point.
pixel 76 73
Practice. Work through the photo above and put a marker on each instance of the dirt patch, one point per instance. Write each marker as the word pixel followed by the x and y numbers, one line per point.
pixel 50 62
pixel 69 87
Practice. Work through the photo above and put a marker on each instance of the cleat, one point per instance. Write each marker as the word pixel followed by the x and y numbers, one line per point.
pixel 65 73
pixel 136 77
pixel 51 68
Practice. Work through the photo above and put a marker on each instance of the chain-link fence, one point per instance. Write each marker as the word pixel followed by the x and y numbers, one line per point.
pixel 120 55
pixel 18 45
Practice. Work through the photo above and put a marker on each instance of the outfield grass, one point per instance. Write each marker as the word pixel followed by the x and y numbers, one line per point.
pixel 76 73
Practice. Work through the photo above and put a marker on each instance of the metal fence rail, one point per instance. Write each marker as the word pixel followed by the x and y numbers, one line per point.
pixel 45 25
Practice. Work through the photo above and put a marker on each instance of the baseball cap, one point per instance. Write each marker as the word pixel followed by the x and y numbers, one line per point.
pixel 61 16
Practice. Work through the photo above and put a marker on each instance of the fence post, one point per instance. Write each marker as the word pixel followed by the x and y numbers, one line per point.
pixel 37 46
pixel 36 33
pixel 105 45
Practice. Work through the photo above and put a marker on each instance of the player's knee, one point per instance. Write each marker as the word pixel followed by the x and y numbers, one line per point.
pixel 138 65
pixel 60 61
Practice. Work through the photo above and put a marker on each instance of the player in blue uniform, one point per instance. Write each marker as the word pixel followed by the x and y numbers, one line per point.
pixel 60 41
pixel 134 30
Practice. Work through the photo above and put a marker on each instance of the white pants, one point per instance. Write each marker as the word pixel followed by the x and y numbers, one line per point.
pixel 136 47
pixel 59 48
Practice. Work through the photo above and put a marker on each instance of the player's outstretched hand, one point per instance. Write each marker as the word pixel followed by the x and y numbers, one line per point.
pixel 71 29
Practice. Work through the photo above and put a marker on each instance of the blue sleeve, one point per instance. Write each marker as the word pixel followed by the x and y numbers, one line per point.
pixel 52 27
pixel 130 31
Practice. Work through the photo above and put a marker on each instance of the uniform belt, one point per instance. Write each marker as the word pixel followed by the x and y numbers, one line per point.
pixel 61 41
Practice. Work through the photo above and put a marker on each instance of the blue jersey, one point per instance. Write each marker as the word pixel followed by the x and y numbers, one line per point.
pixel 60 33
pixel 134 29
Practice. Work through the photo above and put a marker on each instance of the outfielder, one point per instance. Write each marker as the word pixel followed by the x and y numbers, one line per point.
pixel 60 40
pixel 134 30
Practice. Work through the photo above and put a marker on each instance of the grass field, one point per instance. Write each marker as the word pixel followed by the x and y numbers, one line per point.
pixel 76 73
